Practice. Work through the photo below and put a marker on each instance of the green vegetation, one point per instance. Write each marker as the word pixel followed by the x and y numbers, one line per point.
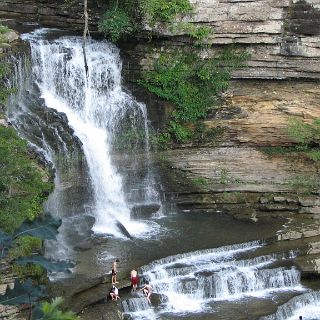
pixel 226 177
pixel 115 24
pixel 307 136
pixel 130 139
pixel 120 19
pixel 22 187
pixel 4 91
pixel 233 197
pixel 271 151
pixel 191 84
pixel 124 17
pixel 3 38
pixel 200 181
pixel 198 33
pixel 26 246
pixel 4 29
pixel 164 10
pixel 51 311
pixel 23 248
pixel 305 184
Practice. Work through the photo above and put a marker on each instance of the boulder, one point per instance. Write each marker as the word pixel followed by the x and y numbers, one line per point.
pixel 144 211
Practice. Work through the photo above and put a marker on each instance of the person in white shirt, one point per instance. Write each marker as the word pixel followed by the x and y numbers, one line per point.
pixel 147 290
pixel 114 293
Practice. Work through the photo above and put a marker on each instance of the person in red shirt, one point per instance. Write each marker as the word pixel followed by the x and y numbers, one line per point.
pixel 134 279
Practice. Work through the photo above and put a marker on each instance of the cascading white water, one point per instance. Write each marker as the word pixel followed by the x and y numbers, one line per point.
pixel 306 305
pixel 96 107
pixel 194 282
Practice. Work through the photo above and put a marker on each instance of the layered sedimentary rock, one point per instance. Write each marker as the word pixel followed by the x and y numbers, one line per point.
pixel 52 13
pixel 282 36
pixel 257 113
pixel 233 173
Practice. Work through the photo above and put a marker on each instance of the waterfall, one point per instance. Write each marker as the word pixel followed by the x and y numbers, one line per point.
pixel 306 305
pixel 196 282
pixel 103 116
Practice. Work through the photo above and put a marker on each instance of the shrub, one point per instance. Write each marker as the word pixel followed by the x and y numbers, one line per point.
pixel 308 137
pixel 4 29
pixel 191 84
pixel 22 186
pixel 25 246
pixel 115 24
pixel 164 10
pixel 51 311
pixel 199 33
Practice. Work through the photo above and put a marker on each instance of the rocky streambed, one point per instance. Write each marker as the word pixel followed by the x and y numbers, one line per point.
pixel 233 174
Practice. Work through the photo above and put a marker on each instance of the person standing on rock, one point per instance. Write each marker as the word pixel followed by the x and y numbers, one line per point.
pixel 134 279
pixel 114 271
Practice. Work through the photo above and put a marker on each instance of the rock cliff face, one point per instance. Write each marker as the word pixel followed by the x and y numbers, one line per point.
pixel 256 113
pixel 52 13
pixel 283 36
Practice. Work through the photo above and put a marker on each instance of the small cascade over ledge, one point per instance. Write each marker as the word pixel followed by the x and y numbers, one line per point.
pixel 214 280
pixel 306 305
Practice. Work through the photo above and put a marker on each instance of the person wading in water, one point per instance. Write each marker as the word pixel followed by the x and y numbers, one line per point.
pixel 147 290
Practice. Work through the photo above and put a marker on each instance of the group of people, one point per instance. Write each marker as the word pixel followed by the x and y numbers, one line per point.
pixel 114 292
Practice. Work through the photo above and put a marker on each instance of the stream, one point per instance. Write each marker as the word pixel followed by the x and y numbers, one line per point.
pixel 96 136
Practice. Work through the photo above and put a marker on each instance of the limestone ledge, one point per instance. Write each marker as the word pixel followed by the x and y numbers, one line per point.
pixel 282 36
pixel 257 113
pixel 231 172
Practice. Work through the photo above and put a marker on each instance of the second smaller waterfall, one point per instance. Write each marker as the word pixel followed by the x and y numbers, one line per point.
pixel 207 280
pixel 306 305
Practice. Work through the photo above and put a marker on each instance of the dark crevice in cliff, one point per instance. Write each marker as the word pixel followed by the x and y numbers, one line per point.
pixel 303 19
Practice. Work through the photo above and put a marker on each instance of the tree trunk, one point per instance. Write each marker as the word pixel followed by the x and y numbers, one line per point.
pixel 85 33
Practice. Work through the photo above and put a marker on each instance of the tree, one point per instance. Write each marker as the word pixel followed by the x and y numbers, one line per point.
pixel 85 34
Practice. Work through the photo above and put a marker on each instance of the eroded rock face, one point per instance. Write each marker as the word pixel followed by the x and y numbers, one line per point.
pixel 256 113
pixel 53 13
pixel 282 36
pixel 232 173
